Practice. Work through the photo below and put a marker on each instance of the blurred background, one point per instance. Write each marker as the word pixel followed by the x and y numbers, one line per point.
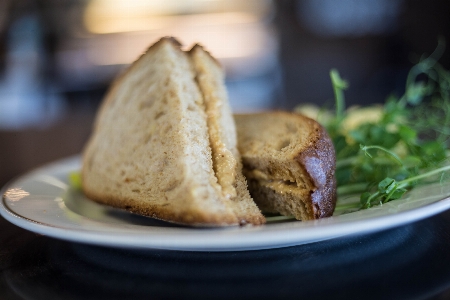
pixel 58 57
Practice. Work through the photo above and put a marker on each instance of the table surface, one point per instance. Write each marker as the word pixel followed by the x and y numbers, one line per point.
pixel 407 262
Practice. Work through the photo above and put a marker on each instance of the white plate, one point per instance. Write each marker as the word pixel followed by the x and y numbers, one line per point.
pixel 41 201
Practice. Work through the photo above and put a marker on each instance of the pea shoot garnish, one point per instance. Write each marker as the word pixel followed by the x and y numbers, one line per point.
pixel 383 151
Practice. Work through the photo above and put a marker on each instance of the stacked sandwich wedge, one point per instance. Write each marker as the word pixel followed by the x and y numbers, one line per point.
pixel 164 144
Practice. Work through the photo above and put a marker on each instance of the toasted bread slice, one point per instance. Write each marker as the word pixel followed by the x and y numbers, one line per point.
pixel 289 162
pixel 222 135
pixel 150 150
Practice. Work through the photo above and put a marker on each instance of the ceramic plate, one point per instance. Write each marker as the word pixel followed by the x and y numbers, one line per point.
pixel 43 202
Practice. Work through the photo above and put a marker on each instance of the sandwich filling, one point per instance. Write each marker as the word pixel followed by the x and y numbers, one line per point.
pixel 231 184
pixel 281 187
pixel 217 110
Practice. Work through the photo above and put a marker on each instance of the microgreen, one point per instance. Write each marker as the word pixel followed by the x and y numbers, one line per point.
pixel 405 144
pixel 339 85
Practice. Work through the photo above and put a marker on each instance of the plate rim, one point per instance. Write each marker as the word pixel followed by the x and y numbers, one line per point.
pixel 254 239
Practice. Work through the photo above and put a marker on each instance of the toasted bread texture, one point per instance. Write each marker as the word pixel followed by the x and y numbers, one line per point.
pixel 150 151
pixel 222 135
pixel 289 162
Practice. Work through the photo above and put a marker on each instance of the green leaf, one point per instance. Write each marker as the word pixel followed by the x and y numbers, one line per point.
pixel 432 152
pixel 397 194
pixel 339 143
pixel 358 135
pixel 367 167
pixel 389 140
pixel 386 185
pixel 407 134
pixel 412 160
pixel 343 176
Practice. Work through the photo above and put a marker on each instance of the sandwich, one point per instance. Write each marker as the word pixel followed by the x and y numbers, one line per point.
pixel 164 143
pixel 289 162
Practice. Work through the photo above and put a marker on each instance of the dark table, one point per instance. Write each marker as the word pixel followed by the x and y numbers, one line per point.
pixel 407 262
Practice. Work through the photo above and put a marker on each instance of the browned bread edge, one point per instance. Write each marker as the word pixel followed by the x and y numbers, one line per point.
pixel 167 215
pixel 323 196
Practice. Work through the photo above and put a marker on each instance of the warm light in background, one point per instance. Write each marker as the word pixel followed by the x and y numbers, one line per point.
pixel 228 29
pixel 98 23
pixel 106 10
pixel 223 43
pixel 238 33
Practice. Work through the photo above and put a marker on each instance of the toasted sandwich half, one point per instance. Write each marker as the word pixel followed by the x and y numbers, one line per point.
pixel 226 159
pixel 289 162
pixel 164 145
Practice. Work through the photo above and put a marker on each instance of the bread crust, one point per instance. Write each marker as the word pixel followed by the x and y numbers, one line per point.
pixel 193 218
pixel 323 198
pixel 110 94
